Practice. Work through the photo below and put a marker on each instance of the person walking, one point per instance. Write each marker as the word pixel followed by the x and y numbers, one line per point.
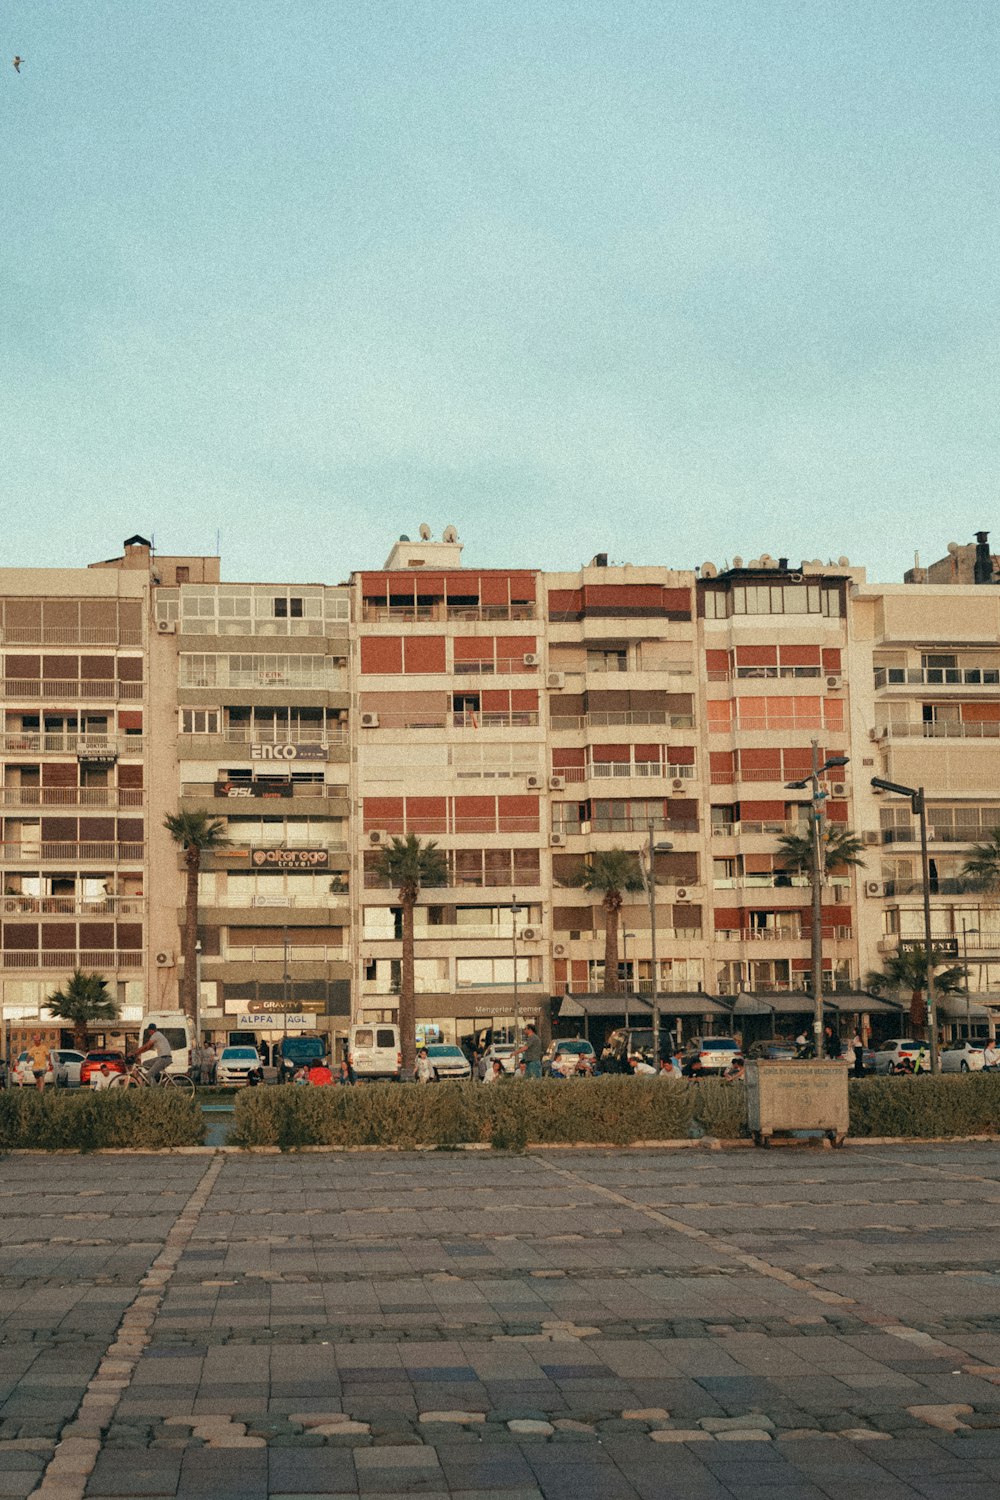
pixel 831 1043
pixel 38 1056
pixel 531 1053
pixel 424 1071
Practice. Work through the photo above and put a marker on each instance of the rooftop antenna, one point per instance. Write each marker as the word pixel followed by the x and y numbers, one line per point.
pixel 218 542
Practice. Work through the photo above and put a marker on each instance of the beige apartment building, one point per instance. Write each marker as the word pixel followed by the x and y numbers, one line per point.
pixel 524 720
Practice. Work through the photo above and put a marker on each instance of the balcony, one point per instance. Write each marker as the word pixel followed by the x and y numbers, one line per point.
pixel 625 824
pixel 937 677
pixel 72 906
pixel 333 681
pixel 69 635
pixel 332 732
pixel 779 934
pixel 399 827
pixel 623 770
pixel 71 796
pixel 626 718
pixel 942 887
pixel 100 959
pixel 628 992
pixel 206 791
pixel 276 953
pixel 751 674
pixel 69 742
pixel 339 901
pixel 762 774
pixel 765 723
pixel 775 827
pixel 107 853
pixel 383 614
pixel 69 689
pixel 943 729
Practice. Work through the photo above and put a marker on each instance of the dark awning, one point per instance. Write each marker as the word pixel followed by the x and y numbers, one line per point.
pixel 640 1009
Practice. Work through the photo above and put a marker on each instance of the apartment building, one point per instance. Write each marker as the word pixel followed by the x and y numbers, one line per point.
pixel 253 700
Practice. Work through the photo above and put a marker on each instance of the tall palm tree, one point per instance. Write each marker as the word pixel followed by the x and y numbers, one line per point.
pixel 982 868
pixel 907 970
pixel 610 873
pixel 840 849
pixel 408 864
pixel 83 999
pixel 197 833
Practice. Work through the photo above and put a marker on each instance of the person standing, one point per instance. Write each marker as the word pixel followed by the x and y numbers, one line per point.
pixel 531 1053
pixel 38 1056
pixel 424 1071
pixel 856 1055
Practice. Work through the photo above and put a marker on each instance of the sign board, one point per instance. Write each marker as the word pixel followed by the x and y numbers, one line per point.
pixel 290 1020
pixel 240 789
pixel 290 859
pixel 277 1007
pixel 282 750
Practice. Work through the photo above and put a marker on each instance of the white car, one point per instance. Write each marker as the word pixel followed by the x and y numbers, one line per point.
pixel 501 1052
pixel 899 1053
pixel 710 1054
pixel 962 1057
pixel 563 1058
pixel 448 1062
pixel 235 1063
pixel 66 1064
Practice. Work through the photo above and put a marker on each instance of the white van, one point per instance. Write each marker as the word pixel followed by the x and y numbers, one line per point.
pixel 179 1032
pixel 373 1051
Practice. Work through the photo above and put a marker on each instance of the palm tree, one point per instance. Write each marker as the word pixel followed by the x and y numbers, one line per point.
pixel 982 868
pixel 84 999
pixel 907 970
pixel 610 872
pixel 409 864
pixel 839 847
pixel 195 832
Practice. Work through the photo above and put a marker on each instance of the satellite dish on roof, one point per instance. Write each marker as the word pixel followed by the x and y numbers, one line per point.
pixel 737 562
pixel 449 534
pixel 425 532
pixel 953 548
pixel 709 570
pixel 843 562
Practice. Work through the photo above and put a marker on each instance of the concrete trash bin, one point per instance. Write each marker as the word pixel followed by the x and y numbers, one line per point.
pixel 789 1096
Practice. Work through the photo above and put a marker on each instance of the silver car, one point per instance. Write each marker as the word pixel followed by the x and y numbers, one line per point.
pixel 962 1057
pixel 899 1054
pixel 710 1054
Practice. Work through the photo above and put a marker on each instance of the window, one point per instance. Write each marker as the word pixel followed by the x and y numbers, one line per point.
pixel 287 608
pixel 183 574
pixel 199 721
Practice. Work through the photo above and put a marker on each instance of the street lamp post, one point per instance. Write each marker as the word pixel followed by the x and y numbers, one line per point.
pixel 514 909
pixel 919 804
pixel 649 881
pixel 628 980
pixel 965 969
pixel 817 798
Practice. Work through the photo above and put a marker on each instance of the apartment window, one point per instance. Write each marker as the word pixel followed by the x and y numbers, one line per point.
pixel 773 599
pixel 612 659
pixel 199 721
pixel 287 607
pixel 183 574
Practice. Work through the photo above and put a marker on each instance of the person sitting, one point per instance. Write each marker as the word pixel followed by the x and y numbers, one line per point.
pixel 668 1068
pixel 642 1068
pixel 345 1073
pixel 319 1073
pixel 255 1077
pixel 991 1054
pixel 496 1073
pixel 424 1072
pixel 735 1069
pixel 101 1077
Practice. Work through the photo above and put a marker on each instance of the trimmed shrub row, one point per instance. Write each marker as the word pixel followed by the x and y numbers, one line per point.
pixel 86 1120
pixel 947 1104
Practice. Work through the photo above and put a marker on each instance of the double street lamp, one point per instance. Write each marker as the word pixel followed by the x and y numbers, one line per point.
pixel 646 856
pixel 817 796
pixel 919 805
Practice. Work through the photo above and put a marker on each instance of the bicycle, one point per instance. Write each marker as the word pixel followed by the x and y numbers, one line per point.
pixel 137 1077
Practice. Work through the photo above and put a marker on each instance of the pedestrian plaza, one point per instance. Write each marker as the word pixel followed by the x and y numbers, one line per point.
pixel 691 1323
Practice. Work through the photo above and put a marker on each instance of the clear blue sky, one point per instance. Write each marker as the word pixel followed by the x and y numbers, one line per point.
pixel 671 279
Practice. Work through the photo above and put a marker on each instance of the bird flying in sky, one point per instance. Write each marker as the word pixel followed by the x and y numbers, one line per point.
pixel 17 64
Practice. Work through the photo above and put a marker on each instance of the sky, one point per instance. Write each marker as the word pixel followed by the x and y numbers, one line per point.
pixel 674 280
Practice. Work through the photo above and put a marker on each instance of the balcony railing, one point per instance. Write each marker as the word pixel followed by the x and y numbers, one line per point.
pixel 948 886
pixel 314 682
pixel 68 742
pixel 625 718
pixel 937 676
pixel 383 613
pixel 625 824
pixel 206 789
pixel 69 635
pixel 100 959
pixel 760 773
pixel 594 985
pixel 278 952
pixel 333 732
pixel 72 906
pixel 779 934
pixel 502 666
pixel 22 854
pixel 763 882
pixel 766 723
pixel 65 689
pixel 399 827
pixel 211 625
pixel 325 902
pixel 615 770
pixel 777 827
pixel 71 796
pixel 944 729
pixel 744 674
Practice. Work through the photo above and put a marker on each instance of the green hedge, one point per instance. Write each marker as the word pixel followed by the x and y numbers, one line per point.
pixel 948 1104
pixel 507 1115
pixel 87 1120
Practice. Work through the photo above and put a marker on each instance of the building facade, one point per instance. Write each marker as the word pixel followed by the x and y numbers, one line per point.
pixel 524 721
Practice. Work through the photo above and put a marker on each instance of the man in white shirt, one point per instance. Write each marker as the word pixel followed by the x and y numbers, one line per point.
pixel 155 1054
pixel 991 1054
pixel 101 1077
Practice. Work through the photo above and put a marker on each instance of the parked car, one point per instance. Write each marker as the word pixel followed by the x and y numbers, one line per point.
pixel 962 1057
pixel 626 1044
pixel 773 1049
pixel 448 1062
pixel 899 1053
pixel 234 1064
pixel 501 1052
pixel 93 1060
pixel 562 1058
pixel 66 1064
pixel 294 1052
pixel 710 1054
pixel 375 1053
pixel 22 1073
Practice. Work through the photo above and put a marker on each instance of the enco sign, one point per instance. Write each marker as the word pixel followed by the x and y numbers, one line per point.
pixel 286 750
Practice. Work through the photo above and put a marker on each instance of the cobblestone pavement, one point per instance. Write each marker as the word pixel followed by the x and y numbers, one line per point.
pixel 692 1324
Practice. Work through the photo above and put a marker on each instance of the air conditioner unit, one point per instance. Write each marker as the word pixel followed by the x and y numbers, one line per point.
pixel 874 888
pixel 559 950
pixel 875 735
pixel 165 960
pixel 377 838
pixel 557 840
pixel 557 783
pixel 886 945
pixel 555 679
pixel 838 788
pixel 532 659
pixel 534 783
pixel 166 627
pixel 369 721
pixel 871 836
pixel 530 934
pixel 833 683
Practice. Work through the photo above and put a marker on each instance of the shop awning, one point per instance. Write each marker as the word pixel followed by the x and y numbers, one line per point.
pixel 954 1005
pixel 691 1003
